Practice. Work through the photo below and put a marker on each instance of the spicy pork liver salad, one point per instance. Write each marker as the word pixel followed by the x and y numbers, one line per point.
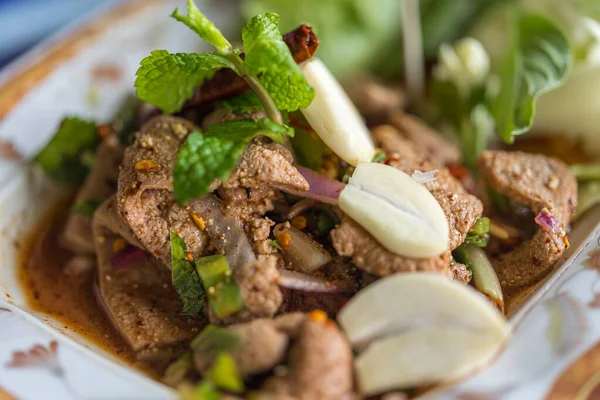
pixel 253 229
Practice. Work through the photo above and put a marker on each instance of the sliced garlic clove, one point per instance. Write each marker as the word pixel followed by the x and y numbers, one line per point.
pixel 334 117
pixel 404 302
pixel 424 356
pixel 399 212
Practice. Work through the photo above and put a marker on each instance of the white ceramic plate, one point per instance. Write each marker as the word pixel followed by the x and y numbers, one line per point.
pixel 553 327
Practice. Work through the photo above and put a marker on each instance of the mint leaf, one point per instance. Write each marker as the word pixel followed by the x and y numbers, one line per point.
pixel 246 102
pixel 200 161
pixel 266 53
pixel 214 154
pixel 66 157
pixel 167 80
pixel 245 130
pixel 197 22
pixel 539 61
pixel 185 278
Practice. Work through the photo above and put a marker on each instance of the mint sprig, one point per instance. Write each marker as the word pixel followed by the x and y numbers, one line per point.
pixel 167 80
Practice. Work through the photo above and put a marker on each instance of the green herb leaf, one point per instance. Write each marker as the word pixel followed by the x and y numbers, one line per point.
pixel 215 340
pixel 481 226
pixel 200 161
pixel 246 102
pixel 478 235
pixel 213 155
pixel 197 22
pixel 225 374
pixel 66 157
pixel 167 80
pixel 185 278
pixel 379 157
pixel 87 207
pixel 538 61
pixel 275 244
pixel 267 55
pixel 224 297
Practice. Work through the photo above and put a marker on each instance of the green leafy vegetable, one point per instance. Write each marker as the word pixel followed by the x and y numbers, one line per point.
pixel 197 22
pixel 224 373
pixel 87 207
pixel 538 61
pixel 224 295
pixel 275 244
pixel 214 340
pixel 167 80
pixel 246 102
pixel 479 233
pixel 200 161
pixel 379 157
pixel 66 158
pixel 185 278
pixel 267 55
pixel 213 155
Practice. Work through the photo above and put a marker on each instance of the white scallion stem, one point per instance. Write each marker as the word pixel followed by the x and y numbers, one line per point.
pixel 414 60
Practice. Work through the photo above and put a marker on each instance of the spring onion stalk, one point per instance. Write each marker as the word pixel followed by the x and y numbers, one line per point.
pixel 484 276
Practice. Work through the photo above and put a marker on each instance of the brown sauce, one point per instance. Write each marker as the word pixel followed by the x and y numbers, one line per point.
pixel 68 299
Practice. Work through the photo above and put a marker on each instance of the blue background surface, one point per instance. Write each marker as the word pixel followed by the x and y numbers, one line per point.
pixel 23 23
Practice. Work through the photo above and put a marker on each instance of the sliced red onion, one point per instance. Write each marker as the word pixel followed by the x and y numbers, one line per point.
pixel 225 231
pixel 128 257
pixel 322 188
pixel 424 177
pixel 548 222
pixel 303 253
pixel 308 283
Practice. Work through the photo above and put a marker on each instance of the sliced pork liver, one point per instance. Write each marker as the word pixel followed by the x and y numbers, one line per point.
pixel 100 184
pixel 538 182
pixel 139 298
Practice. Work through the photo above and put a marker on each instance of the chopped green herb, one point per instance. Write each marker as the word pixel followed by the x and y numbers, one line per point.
pixel 379 157
pixel 267 56
pixel 275 244
pixel 481 226
pixel 213 155
pixel 224 296
pixel 215 340
pixel 66 157
pixel 168 80
pixel 246 102
pixel 87 207
pixel 224 373
pixel 185 278
pixel 479 233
